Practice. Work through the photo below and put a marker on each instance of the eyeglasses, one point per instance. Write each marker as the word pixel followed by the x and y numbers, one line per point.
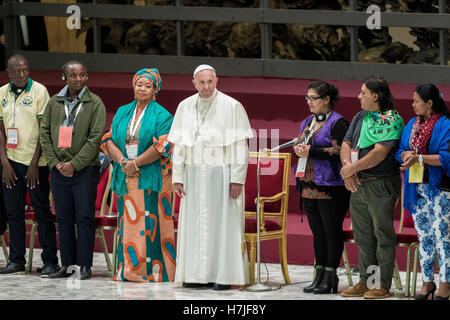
pixel 312 98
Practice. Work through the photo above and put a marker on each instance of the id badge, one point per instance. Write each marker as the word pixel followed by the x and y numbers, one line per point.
pixel 301 167
pixel 65 137
pixel 416 173
pixel 13 138
pixel 132 150
pixel 354 156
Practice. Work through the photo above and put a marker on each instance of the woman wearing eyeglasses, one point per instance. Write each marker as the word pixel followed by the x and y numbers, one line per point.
pixel 322 191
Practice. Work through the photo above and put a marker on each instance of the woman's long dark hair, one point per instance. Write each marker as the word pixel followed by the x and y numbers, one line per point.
pixel 381 87
pixel 325 89
pixel 428 92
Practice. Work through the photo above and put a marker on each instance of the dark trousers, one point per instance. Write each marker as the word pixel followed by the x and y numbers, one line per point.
pixel 325 219
pixel 75 205
pixel 3 215
pixel 15 199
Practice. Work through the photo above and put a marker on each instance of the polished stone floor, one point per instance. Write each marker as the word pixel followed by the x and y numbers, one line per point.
pixel 101 287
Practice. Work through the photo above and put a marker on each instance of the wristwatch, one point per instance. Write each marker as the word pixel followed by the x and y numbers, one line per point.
pixel 420 159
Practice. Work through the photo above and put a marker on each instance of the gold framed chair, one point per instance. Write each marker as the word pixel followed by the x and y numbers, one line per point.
pixel 411 241
pixel 274 195
pixel 107 221
pixel 102 221
pixel 30 219
pixel 5 250
pixel 348 238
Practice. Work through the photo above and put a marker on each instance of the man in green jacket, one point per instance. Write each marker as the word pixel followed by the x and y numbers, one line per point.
pixel 71 130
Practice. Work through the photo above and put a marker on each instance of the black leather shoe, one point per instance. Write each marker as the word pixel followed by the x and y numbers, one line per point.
pixel 13 268
pixel 192 285
pixel 48 269
pixel 441 298
pixel 85 273
pixel 217 286
pixel 61 273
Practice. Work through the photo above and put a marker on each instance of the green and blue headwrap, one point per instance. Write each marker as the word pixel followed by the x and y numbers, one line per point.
pixel 152 74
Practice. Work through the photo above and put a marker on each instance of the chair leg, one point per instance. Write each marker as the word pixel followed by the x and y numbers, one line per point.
pixel 5 250
pixel 414 280
pixel 31 250
pixel 408 270
pixel 347 267
pixel 283 260
pixel 101 236
pixel 114 253
pixel 9 241
pixel 397 279
pixel 252 261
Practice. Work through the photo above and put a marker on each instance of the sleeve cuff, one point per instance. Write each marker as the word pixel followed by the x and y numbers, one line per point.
pixel 163 146
pixel 177 175
pixel 52 164
pixel 76 164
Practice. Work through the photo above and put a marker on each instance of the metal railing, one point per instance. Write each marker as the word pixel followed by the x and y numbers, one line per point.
pixel 265 66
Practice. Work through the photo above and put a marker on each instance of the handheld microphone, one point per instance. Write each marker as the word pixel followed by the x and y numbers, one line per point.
pixel 284 145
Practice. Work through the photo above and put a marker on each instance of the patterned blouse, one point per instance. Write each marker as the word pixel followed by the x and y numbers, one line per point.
pixel 310 189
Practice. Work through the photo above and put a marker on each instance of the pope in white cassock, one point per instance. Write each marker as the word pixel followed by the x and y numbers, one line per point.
pixel 210 158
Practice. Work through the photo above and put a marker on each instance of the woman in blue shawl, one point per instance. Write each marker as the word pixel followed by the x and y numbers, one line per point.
pixel 141 179
pixel 424 155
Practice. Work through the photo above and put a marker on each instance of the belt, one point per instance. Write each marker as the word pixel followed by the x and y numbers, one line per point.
pixel 363 180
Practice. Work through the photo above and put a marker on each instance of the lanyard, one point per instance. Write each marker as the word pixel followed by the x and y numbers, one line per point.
pixel 66 109
pixel 311 132
pixel 357 145
pixel 15 106
pixel 134 126
pixel 15 111
pixel 313 122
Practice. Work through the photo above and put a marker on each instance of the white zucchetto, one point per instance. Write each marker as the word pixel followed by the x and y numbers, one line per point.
pixel 203 67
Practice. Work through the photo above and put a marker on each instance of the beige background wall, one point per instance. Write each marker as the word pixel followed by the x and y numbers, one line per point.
pixel 60 38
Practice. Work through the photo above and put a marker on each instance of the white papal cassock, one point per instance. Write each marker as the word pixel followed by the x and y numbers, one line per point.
pixel 210 137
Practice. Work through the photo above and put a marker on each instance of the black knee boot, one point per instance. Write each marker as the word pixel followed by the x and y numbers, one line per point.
pixel 319 275
pixel 329 282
